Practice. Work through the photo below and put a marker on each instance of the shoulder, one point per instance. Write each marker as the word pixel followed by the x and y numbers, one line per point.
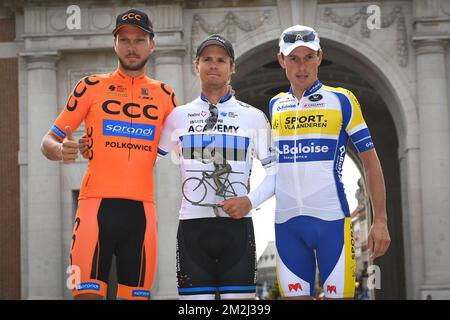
pixel 93 80
pixel 165 88
pixel 282 96
pixel 253 111
pixel 277 97
pixel 339 91
pixel 185 109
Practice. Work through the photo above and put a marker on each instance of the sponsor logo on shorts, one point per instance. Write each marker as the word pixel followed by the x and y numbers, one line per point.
pixel 141 293
pixel 295 287
pixel 331 289
pixel 88 286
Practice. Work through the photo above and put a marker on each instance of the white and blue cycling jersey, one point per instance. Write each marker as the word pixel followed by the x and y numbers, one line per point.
pixel 241 133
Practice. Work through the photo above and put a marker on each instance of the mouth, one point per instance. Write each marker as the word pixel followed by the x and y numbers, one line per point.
pixel 302 76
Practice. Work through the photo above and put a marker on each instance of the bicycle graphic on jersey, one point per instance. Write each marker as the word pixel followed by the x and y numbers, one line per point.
pixel 195 189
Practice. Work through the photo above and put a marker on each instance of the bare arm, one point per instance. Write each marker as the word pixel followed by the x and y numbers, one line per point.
pixel 378 239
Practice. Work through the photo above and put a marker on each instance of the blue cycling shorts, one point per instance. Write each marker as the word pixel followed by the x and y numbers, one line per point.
pixel 303 240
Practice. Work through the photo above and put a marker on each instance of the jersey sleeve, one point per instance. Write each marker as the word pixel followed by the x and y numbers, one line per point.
pixel 265 152
pixel 272 102
pixel 77 107
pixel 357 129
pixel 168 139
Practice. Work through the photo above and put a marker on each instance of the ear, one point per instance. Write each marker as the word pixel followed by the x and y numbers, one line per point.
pixel 281 60
pixel 196 63
pixel 115 44
pixel 233 68
pixel 152 45
pixel 320 57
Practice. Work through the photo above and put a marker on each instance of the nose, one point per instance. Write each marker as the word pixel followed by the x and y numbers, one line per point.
pixel 213 65
pixel 301 65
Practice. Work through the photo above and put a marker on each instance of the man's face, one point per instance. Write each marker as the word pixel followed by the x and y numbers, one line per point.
pixel 133 47
pixel 302 66
pixel 214 67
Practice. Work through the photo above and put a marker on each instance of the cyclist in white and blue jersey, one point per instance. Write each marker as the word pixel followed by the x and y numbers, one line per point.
pixel 216 138
pixel 312 124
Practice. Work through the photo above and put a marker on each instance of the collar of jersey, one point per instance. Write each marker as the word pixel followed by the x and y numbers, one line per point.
pixel 316 86
pixel 222 99
pixel 126 78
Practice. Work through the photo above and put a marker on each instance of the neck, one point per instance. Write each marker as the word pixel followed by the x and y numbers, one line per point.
pixel 298 93
pixel 213 95
pixel 132 73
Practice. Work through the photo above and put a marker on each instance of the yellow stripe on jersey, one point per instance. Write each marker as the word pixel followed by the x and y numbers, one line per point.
pixel 280 287
pixel 356 117
pixel 279 95
pixel 291 123
pixel 350 261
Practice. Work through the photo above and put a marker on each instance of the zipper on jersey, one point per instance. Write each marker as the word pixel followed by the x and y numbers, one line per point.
pixel 297 108
pixel 132 112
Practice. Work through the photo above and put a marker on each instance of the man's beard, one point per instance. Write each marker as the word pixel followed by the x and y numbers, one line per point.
pixel 133 68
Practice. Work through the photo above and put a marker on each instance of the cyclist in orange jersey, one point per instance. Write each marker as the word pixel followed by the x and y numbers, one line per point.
pixel 123 113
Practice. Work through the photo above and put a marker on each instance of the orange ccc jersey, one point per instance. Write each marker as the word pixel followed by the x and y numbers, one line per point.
pixel 123 119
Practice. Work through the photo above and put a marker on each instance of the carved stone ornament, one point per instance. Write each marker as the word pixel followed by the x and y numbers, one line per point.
pixel 396 15
pixel 226 27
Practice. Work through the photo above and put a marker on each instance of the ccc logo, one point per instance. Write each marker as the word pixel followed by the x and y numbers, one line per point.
pixel 115 107
pixel 79 91
pixel 131 16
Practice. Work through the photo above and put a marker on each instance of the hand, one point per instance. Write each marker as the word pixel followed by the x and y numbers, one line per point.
pixel 237 207
pixel 83 146
pixel 69 147
pixel 378 240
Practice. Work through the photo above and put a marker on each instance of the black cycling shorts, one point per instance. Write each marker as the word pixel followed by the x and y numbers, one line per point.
pixel 121 227
pixel 216 256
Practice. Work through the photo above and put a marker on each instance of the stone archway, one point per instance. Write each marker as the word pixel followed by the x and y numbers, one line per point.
pixel 259 78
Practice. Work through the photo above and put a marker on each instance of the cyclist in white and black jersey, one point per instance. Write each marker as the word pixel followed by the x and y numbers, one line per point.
pixel 217 138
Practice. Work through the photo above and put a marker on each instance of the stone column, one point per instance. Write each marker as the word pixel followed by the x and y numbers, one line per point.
pixel 168 69
pixel 412 220
pixel 435 163
pixel 45 280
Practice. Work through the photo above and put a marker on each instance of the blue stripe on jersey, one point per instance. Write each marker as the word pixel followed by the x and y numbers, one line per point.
pixel 306 150
pixel 338 165
pixel 346 108
pixel 58 132
pixel 364 145
pixel 359 135
pixel 237 288
pixel 197 289
pixel 362 140
pixel 271 103
pixel 215 140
